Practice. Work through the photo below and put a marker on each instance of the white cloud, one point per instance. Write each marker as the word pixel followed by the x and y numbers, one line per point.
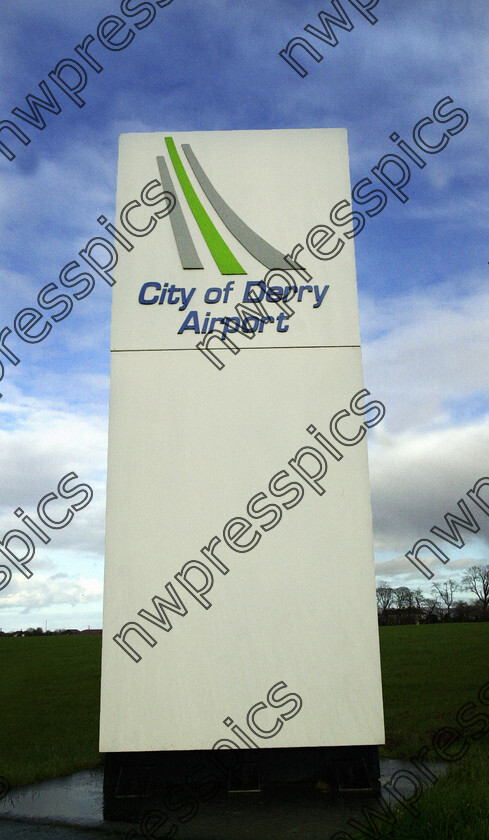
pixel 53 590
pixel 400 572
pixel 423 355
pixel 417 478
pixel 424 349
pixel 39 445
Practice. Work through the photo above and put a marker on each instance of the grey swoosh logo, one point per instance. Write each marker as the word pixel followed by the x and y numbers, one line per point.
pixel 251 241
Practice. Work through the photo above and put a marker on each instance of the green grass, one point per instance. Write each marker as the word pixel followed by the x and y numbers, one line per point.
pixel 49 701
pixel 455 808
pixel 428 672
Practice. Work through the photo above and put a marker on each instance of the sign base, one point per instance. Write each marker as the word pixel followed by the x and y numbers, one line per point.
pixel 174 782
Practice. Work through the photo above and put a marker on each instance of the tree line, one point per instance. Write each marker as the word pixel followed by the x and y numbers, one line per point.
pixel 403 605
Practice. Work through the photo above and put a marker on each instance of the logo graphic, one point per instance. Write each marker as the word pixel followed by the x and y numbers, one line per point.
pixel 220 251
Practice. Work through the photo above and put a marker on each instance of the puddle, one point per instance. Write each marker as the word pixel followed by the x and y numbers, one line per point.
pixel 75 800
pixel 284 814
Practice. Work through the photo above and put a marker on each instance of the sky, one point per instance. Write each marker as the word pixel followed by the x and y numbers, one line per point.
pixel 422 265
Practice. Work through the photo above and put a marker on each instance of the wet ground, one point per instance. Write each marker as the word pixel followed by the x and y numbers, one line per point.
pixel 72 807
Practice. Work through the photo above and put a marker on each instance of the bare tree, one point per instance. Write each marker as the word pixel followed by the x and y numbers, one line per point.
pixel 418 598
pixel 476 580
pixel 446 592
pixel 402 597
pixel 385 596
pixel 418 604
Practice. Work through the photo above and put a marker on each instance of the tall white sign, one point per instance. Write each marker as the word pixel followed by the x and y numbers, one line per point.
pixel 239 605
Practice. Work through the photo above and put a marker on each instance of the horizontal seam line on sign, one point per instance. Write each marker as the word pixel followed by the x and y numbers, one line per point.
pixel 272 347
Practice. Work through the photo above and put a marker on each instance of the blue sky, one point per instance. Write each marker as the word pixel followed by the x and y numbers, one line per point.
pixel 422 266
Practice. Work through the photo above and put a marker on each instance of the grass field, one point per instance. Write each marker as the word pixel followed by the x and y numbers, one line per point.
pixel 49 701
pixel 428 672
